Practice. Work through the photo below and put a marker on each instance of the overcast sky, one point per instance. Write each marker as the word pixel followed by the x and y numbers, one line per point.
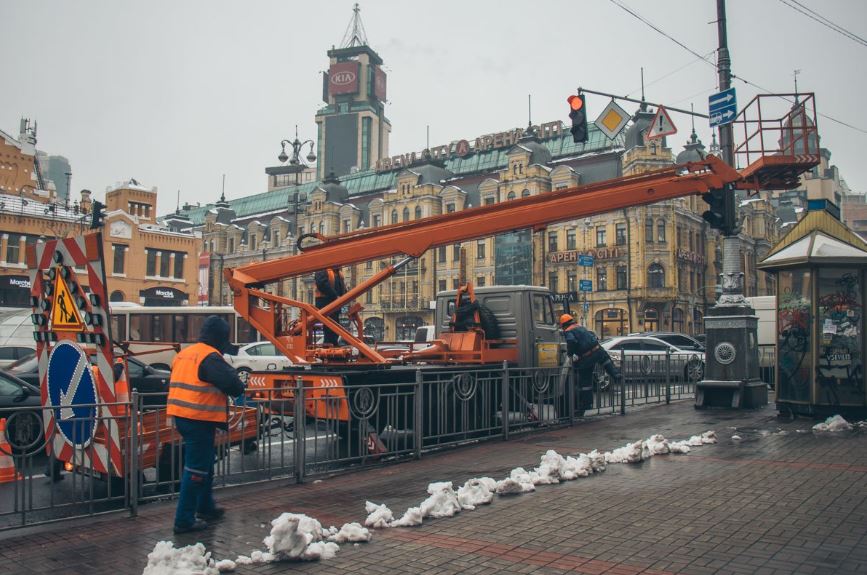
pixel 178 93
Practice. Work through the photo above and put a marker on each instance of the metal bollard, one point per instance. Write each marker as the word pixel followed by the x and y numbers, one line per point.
pixel 622 382
pixel 504 393
pixel 668 375
pixel 133 455
pixel 570 394
pixel 299 447
pixel 418 424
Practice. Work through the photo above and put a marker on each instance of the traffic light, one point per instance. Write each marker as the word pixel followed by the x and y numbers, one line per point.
pixel 721 210
pixel 578 114
pixel 97 213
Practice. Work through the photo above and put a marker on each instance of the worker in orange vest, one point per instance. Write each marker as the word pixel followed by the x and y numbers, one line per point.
pixel 329 286
pixel 200 385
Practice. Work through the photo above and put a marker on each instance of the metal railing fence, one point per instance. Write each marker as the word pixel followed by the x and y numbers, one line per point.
pixel 302 431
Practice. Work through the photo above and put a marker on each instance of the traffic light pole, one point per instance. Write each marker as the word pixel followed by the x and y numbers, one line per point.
pixel 732 363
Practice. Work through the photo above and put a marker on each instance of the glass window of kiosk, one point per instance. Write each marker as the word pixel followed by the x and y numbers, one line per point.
pixel 839 363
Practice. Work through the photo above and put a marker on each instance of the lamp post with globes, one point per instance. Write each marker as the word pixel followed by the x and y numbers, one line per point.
pixel 296 166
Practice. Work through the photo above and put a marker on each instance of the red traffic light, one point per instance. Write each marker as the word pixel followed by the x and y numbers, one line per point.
pixel 575 102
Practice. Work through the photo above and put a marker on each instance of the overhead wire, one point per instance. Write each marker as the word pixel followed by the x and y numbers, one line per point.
pixel 622 6
pixel 812 14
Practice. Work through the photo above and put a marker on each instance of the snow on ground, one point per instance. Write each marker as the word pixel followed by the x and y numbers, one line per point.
pixel 478 491
pixel 299 537
pixel 833 423
pixel 165 559
pixel 350 532
pixel 378 516
pixel 442 502
pixel 410 518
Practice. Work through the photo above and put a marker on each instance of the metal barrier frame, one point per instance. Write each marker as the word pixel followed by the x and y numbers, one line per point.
pixel 455 407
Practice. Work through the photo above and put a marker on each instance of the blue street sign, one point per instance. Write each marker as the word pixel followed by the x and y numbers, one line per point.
pixel 585 260
pixel 72 393
pixel 585 285
pixel 722 107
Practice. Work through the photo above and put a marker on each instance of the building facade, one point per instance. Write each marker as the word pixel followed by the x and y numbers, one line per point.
pixel 653 267
pixel 146 262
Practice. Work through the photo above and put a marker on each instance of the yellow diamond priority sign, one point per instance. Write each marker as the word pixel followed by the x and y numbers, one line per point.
pixel 64 314
pixel 612 119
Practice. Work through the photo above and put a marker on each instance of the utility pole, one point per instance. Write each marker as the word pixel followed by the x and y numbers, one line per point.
pixel 731 376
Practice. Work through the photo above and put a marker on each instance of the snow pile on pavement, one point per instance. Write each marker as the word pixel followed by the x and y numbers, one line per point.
pixel 478 491
pixel 443 501
pixel 695 441
pixel 378 516
pixel 225 565
pixel 629 453
pixel 165 559
pixel 350 532
pixel 833 423
pixel 410 518
pixel 518 481
pixel 291 534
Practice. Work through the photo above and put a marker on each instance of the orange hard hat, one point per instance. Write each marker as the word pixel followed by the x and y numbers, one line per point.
pixel 566 318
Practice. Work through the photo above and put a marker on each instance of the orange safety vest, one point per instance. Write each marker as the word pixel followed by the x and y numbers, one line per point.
pixel 332 279
pixel 189 396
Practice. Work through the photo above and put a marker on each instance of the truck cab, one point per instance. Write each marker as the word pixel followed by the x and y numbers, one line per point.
pixel 521 313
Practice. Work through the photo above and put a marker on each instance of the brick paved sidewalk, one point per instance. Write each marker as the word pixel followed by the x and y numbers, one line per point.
pixel 773 502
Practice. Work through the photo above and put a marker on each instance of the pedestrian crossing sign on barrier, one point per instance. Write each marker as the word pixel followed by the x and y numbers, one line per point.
pixel 64 313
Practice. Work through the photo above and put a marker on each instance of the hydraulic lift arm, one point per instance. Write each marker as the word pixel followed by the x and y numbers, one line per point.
pixel 416 237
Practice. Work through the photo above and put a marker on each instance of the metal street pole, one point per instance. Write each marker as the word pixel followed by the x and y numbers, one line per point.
pixel 732 375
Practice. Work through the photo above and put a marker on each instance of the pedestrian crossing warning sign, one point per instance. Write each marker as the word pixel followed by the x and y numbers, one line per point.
pixel 64 314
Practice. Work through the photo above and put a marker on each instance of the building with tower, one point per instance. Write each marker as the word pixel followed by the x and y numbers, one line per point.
pixel 353 131
pixel 654 267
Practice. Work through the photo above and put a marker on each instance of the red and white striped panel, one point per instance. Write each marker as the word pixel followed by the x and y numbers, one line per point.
pixel 82 252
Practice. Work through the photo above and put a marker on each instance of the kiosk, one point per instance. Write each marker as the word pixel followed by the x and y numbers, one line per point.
pixel 820 267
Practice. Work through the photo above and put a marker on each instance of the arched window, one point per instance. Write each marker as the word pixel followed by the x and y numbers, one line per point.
pixel 648 230
pixel 406 214
pixel 511 196
pixel 660 230
pixel 655 276
pixel 525 193
pixel 322 228
pixel 418 212
pixel 394 216
pixel 116 296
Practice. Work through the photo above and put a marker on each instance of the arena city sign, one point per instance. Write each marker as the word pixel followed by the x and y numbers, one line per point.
pixel 461 148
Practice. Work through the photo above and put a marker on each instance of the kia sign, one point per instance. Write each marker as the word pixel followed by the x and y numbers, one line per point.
pixel 343 78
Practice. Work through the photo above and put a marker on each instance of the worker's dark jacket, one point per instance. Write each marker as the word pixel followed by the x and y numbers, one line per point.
pixel 329 285
pixel 579 340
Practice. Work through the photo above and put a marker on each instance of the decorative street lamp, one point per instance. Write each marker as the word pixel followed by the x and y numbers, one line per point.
pixel 295 159
pixel 296 166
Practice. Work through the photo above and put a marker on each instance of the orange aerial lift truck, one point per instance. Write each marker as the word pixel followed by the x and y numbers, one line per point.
pixel 778 151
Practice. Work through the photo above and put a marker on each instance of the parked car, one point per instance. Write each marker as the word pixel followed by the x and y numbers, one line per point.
pixel 142 377
pixel 23 423
pixel 678 340
pixel 646 358
pixel 257 356
pixel 13 353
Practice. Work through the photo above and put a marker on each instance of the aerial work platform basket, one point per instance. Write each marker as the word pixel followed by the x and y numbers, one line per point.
pixel 777 140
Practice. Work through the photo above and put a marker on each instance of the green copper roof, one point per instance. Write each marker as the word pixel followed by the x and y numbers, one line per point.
pixel 370 181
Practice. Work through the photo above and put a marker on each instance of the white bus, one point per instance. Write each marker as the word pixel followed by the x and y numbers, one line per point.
pixel 145 328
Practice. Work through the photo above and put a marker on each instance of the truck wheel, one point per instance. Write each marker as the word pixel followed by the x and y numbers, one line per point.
pixel 489 322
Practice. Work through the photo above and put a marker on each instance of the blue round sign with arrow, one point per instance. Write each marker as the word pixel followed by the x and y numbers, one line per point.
pixel 72 393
